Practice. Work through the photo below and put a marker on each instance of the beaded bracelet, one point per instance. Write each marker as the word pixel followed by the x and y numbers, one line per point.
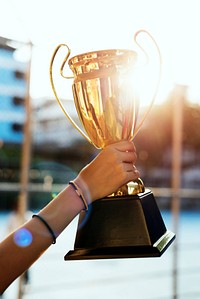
pixel 80 194
pixel 47 226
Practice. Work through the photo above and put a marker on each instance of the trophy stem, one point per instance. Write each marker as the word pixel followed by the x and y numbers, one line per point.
pixel 132 188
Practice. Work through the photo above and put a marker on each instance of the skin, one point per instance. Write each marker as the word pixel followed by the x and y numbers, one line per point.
pixel 112 168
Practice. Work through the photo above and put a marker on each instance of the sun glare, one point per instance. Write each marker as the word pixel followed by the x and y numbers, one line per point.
pixel 177 39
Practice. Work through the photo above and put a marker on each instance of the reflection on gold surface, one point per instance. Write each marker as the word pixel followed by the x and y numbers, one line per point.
pixel 105 107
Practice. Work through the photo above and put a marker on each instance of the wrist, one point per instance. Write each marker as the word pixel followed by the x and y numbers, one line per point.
pixel 80 193
pixel 84 188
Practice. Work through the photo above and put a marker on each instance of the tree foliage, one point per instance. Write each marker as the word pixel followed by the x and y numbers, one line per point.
pixel 154 141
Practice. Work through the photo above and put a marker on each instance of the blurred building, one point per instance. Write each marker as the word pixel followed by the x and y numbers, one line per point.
pixel 50 125
pixel 51 128
pixel 12 92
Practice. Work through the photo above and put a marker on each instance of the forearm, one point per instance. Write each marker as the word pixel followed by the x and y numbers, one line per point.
pixel 112 168
pixel 58 214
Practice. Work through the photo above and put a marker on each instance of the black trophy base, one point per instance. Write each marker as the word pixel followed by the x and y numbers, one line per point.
pixel 121 227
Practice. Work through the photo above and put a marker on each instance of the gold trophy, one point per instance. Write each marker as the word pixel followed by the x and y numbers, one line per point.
pixel 128 223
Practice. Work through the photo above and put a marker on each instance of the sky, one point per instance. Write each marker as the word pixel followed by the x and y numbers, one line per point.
pixel 86 25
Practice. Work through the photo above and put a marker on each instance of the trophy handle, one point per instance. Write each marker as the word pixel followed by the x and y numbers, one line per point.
pixel 159 74
pixel 54 89
pixel 137 186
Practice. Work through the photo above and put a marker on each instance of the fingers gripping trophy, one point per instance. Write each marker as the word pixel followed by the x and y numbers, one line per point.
pixel 127 223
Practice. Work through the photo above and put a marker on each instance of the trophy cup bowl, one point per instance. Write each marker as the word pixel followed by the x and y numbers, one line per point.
pixel 127 223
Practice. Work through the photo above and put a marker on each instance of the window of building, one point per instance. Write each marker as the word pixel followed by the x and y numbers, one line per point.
pixel 18 101
pixel 17 127
pixel 19 75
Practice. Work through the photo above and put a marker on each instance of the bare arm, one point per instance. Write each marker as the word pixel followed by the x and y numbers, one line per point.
pixel 112 168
